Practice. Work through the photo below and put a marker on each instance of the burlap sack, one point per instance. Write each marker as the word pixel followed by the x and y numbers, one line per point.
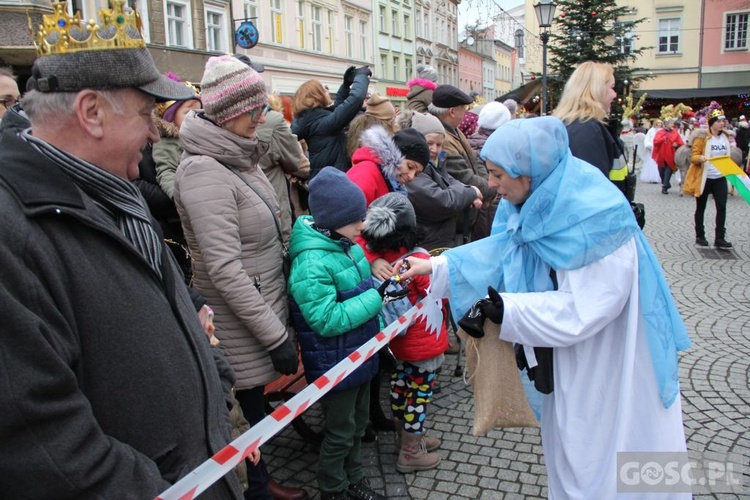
pixel 499 398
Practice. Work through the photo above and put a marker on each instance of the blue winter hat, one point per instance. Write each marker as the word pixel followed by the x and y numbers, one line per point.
pixel 334 200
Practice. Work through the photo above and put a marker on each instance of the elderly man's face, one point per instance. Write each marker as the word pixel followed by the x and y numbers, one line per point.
pixel 128 133
pixel 516 190
pixel 8 93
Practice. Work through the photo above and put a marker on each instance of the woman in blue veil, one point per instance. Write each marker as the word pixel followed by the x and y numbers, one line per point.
pixel 575 275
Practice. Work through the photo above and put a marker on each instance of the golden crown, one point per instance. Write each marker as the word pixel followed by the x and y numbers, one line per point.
pixel 716 113
pixel 60 34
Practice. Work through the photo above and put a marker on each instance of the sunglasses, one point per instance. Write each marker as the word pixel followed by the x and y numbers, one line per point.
pixel 8 101
pixel 256 113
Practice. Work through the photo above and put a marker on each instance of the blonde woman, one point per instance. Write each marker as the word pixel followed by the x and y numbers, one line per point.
pixel 584 107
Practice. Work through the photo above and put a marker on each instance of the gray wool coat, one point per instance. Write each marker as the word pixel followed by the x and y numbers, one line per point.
pixel 108 385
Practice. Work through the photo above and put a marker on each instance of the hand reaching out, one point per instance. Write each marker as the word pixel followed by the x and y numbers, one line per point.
pixel 381 269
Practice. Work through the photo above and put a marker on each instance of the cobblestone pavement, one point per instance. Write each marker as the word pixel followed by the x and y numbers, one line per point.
pixel 712 292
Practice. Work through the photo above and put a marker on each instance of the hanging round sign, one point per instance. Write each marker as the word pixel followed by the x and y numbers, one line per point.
pixel 246 35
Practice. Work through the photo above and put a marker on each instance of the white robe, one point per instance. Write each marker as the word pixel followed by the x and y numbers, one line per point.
pixel 605 398
pixel 649 168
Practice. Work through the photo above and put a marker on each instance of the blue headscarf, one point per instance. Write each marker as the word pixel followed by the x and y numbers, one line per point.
pixel 574 216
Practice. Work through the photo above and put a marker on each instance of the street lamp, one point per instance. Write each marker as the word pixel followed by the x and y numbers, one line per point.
pixel 545 12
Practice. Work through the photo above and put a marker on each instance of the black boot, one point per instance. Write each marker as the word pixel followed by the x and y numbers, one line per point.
pixel 701 241
pixel 720 242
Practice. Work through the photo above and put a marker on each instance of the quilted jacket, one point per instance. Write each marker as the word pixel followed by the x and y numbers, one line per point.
pixel 334 305
pixel 237 250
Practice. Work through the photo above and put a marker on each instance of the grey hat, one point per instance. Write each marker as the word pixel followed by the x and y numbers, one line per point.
pixel 427 124
pixel 390 213
pixel 103 69
pixel 245 59
pixel 334 200
pixel 427 72
pixel 448 96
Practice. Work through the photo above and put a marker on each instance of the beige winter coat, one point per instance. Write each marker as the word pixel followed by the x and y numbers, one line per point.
pixel 235 244
pixel 284 156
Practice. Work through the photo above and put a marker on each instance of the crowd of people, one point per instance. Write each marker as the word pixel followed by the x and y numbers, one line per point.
pixel 172 247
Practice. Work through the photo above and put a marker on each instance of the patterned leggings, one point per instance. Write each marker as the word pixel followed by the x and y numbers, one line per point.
pixel 411 390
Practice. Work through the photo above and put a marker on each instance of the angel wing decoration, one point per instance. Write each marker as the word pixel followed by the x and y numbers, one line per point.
pixel 432 312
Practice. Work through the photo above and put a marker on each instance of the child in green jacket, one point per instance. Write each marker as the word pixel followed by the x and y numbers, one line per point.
pixel 335 310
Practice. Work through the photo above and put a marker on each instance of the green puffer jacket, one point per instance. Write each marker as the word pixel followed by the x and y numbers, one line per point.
pixel 321 268
pixel 335 307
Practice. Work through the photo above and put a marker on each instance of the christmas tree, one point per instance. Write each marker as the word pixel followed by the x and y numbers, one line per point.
pixel 594 30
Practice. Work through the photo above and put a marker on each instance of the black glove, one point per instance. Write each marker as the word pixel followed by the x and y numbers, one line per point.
pixel 473 321
pixel 493 307
pixel 349 75
pixel 284 357
pixel 390 295
pixel 364 70
pixel 490 308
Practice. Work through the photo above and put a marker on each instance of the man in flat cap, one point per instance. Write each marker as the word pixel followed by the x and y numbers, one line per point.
pixel 108 384
pixel 449 104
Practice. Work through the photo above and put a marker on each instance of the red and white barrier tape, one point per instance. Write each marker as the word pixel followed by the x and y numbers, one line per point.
pixel 213 469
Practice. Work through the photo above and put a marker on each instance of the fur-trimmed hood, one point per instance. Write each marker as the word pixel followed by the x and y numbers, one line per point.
pixel 422 82
pixel 165 128
pixel 380 144
pixel 697 132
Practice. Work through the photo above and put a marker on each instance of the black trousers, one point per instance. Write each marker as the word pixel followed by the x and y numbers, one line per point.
pixel 718 188
pixel 251 402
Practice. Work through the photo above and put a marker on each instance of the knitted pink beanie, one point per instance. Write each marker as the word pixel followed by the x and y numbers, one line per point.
pixel 230 88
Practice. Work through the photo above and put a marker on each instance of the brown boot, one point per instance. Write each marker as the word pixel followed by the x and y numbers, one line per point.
pixel 431 443
pixel 414 455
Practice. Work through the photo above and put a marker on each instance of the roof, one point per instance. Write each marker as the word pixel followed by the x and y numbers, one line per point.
pixel 524 92
pixel 683 94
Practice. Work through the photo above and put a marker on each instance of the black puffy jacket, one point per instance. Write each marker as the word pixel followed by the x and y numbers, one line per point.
pixel 324 129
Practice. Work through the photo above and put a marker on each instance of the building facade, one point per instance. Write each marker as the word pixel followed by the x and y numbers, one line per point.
pixel 470 69
pixel 301 40
pixel 394 59
pixel 436 28
pixel 724 52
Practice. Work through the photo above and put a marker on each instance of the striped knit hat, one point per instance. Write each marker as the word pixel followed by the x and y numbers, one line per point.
pixel 230 88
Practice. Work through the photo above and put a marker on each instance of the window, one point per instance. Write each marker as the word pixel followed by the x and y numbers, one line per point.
pixel 409 69
pixel 88 10
pixel 669 36
pixel 331 21
pixel 178 24
pixel 407 22
pixel 142 9
pixel 301 23
pixel 382 17
pixel 363 40
pixel 396 68
pixel 317 28
pixel 383 66
pixel 418 27
pixel 394 23
pixel 216 31
pixel 250 8
pixel 349 36
pixel 276 21
pixel 735 37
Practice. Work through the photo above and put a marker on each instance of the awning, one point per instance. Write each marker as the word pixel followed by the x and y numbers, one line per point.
pixel 524 92
pixel 682 94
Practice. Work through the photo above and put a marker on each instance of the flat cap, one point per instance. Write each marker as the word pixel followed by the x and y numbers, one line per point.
pixel 448 96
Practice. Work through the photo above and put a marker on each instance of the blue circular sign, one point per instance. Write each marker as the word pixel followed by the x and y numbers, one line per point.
pixel 246 35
